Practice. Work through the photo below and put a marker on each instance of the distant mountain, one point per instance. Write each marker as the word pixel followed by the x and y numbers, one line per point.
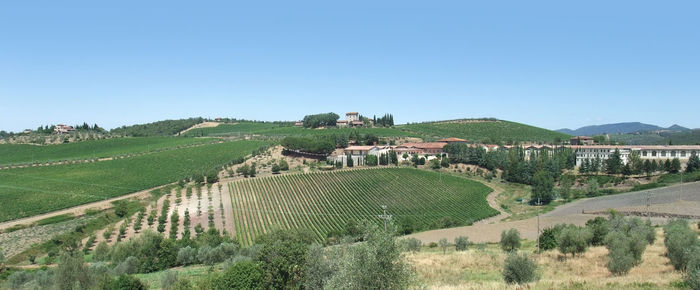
pixel 620 128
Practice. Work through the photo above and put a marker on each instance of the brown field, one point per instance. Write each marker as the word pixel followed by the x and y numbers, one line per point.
pixel 481 269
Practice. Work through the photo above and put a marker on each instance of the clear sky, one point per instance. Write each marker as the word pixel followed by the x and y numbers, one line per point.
pixel 552 64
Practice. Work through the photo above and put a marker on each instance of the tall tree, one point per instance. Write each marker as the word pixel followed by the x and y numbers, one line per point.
pixel 542 187
pixel 613 165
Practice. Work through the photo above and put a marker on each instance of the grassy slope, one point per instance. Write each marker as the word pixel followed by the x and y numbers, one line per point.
pixel 500 131
pixel 680 138
pixel 270 129
pixel 21 153
pixel 324 201
pixel 30 191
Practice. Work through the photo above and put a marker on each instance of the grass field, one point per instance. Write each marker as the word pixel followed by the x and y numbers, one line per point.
pixel 35 190
pixel 24 153
pixel 271 129
pixel 485 131
pixel 324 201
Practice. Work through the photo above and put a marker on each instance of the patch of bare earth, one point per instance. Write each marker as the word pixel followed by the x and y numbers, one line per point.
pixel 481 269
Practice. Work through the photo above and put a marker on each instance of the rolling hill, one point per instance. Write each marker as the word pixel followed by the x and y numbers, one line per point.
pixel 485 130
pixel 620 128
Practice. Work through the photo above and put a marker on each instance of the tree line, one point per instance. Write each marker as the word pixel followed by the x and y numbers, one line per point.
pixel 320 120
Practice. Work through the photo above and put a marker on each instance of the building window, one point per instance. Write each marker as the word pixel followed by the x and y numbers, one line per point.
pixel 673 153
pixel 653 153
pixel 644 153
pixel 683 153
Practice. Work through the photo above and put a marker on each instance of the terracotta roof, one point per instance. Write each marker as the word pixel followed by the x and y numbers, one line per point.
pixel 581 138
pixel 341 121
pixel 358 123
pixel 352 113
pixel 452 139
pixel 426 145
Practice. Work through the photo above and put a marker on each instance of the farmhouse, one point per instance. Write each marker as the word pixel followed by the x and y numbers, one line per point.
pixel 352 116
pixel 61 128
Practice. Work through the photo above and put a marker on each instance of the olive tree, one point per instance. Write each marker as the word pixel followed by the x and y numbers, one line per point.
pixel 510 240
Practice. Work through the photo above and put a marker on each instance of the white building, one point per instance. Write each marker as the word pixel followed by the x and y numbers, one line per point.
pixel 650 152
pixel 352 116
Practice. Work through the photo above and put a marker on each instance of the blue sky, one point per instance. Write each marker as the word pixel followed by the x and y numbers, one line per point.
pixel 552 64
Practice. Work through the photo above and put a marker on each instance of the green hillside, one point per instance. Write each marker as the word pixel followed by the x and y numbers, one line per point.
pixel 274 129
pixel 324 201
pixel 35 190
pixel 676 138
pixel 485 130
pixel 24 153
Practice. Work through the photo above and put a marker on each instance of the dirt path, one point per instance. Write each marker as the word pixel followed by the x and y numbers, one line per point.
pixel 200 125
pixel 670 198
pixel 80 209
pixel 491 199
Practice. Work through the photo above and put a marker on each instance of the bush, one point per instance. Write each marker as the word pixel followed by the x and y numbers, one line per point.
pixel 599 229
pixel 18 279
pixel 548 238
pixel 573 240
pixel 413 244
pixel 692 274
pixel 101 252
pixel 510 240
pixel 242 275
pixel 432 245
pixel 123 282
pixel 443 245
pixel 461 243
pixel 519 269
pixel 168 280
pixel 187 256
pixel 620 257
pixel 679 239
pixel 129 266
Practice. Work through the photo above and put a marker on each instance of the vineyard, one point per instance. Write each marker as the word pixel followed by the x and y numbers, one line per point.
pixel 324 201
pixel 35 190
pixel 485 131
pixel 24 153
pixel 271 129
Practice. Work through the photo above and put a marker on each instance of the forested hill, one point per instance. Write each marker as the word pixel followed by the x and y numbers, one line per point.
pixel 619 128
pixel 485 131
pixel 159 128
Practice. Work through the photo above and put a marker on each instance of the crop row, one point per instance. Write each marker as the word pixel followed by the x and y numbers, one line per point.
pixel 35 190
pixel 28 154
pixel 324 201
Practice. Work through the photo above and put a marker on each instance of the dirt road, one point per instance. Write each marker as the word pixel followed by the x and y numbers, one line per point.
pixel 78 210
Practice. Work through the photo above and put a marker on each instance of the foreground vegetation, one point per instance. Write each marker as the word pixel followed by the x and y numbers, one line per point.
pixel 325 202
pixel 36 190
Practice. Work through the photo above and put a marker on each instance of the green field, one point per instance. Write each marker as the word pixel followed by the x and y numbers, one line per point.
pixel 324 201
pixel 24 153
pixel 485 132
pixel 35 190
pixel 271 129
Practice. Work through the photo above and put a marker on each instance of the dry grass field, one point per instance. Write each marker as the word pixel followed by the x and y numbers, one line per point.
pixel 480 268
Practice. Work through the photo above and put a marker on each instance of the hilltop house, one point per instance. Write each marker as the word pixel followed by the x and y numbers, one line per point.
pixel 581 140
pixel 61 128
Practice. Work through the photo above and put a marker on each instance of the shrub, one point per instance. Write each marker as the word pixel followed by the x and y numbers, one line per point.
pixel 599 229
pixel 101 252
pixel 510 240
pixel 187 256
pixel 123 282
pixel 461 243
pixel 443 245
pixel 129 266
pixel 548 238
pixel 679 239
pixel 692 274
pixel 242 275
pixel 432 245
pixel 519 269
pixel 413 244
pixel 18 279
pixel 573 240
pixel 620 257
pixel 168 280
